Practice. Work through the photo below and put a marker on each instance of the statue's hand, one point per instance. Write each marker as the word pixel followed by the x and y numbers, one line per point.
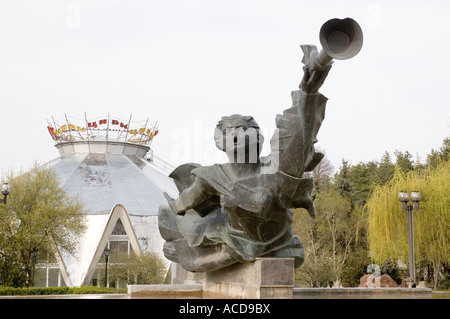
pixel 313 79
pixel 314 73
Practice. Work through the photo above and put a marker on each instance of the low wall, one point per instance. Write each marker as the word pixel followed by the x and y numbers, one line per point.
pixel 317 293
pixel 165 291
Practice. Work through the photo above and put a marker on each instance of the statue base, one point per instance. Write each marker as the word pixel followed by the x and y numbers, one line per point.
pixel 265 278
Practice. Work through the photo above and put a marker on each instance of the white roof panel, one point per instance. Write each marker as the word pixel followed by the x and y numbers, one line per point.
pixel 103 180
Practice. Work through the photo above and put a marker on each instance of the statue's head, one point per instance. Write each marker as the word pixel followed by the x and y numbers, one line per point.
pixel 240 137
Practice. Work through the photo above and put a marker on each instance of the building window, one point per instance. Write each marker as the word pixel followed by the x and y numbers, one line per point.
pixel 119 229
pixel 118 247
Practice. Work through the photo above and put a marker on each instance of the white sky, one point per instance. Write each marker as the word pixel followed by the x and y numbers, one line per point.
pixel 187 63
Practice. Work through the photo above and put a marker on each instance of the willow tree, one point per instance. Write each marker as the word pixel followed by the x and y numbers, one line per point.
pixel 387 223
pixel 39 216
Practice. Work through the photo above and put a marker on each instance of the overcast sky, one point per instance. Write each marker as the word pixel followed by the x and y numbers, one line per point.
pixel 187 63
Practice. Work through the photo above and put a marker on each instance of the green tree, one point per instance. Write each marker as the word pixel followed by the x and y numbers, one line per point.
pixel 387 228
pixel 362 178
pixel 366 186
pixel 330 241
pixel 404 161
pixel 146 268
pixel 438 156
pixel 355 182
pixel 316 270
pixel 39 215
pixel 342 180
pixel 385 169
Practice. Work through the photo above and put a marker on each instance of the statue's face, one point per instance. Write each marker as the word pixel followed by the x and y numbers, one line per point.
pixel 239 137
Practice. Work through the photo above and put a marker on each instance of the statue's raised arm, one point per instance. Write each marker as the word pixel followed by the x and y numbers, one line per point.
pixel 293 142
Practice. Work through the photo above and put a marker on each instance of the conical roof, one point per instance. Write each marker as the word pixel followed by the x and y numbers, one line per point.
pixel 103 180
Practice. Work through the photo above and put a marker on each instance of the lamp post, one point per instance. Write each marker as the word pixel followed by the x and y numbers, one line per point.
pixel 106 253
pixel 5 191
pixel 415 198
pixel 34 254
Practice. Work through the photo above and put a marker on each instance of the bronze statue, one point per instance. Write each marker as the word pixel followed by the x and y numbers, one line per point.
pixel 239 211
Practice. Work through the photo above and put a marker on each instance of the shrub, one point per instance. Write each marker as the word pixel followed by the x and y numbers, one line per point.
pixel 11 291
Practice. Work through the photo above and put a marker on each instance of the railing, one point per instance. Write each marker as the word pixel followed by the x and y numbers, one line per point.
pixel 160 163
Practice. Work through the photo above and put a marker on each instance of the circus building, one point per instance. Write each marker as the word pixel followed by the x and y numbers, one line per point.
pixel 109 164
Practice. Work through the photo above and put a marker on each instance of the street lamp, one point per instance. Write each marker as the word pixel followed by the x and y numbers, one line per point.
pixel 415 198
pixel 34 254
pixel 106 253
pixel 5 191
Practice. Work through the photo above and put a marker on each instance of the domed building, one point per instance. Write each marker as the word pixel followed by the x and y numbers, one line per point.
pixel 108 163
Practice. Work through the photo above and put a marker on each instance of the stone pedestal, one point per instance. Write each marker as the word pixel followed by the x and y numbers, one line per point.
pixel 264 278
pixel 180 276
